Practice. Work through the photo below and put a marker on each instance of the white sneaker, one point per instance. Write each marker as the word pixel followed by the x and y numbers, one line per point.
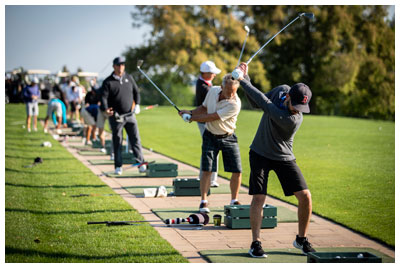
pixel 112 157
pixel 214 184
pixel 118 171
pixel 29 130
pixel 45 130
pixel 59 131
pixel 35 129
pixel 89 143
pixel 103 150
pixel 142 169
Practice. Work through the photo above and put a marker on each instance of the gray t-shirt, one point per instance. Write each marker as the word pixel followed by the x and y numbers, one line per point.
pixel 275 134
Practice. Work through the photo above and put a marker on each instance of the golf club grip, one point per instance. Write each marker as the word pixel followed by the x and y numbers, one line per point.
pixel 177 108
pixel 251 58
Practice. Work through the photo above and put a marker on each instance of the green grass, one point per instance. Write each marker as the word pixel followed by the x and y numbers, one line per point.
pixel 43 223
pixel 349 164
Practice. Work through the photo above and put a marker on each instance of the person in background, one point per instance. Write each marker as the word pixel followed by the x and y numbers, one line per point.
pixel 31 95
pixel 57 110
pixel 119 96
pixel 75 96
pixel 208 71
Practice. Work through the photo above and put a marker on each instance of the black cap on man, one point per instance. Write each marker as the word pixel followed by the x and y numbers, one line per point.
pixel 300 96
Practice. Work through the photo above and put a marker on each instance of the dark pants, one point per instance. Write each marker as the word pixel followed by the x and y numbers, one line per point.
pixel 131 128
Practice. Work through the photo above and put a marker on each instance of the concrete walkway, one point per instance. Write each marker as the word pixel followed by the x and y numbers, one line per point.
pixel 322 232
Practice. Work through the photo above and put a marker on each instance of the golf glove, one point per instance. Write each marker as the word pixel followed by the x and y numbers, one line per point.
pixel 237 73
pixel 186 117
pixel 137 109
pixel 240 71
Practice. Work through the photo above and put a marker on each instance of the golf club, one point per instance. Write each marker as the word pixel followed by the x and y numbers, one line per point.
pixel 138 166
pixel 139 63
pixel 238 73
pixel 198 219
pixel 308 15
pixel 111 223
pixel 247 29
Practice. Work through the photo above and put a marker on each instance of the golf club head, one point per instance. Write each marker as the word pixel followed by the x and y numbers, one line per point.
pixel 139 63
pixel 247 29
pixel 308 15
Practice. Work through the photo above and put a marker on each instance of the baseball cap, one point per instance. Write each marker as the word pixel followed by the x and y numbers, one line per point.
pixel 35 80
pixel 118 60
pixel 209 67
pixel 300 96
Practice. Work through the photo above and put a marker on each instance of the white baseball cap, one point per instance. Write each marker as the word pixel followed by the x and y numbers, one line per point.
pixel 35 80
pixel 209 67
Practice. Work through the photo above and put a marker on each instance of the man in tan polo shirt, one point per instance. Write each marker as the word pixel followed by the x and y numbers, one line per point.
pixel 219 111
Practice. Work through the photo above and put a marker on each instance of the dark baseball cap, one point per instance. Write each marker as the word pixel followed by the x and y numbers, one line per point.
pixel 118 60
pixel 300 96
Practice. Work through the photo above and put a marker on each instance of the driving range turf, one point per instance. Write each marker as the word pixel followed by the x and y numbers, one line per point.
pixel 348 164
pixel 44 223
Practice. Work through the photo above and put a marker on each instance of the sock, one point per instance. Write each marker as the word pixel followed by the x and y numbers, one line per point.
pixel 233 201
pixel 203 201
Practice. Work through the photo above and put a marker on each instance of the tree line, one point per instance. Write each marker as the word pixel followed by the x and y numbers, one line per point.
pixel 346 54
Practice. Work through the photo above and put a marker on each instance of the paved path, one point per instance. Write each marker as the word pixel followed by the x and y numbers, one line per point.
pixel 322 232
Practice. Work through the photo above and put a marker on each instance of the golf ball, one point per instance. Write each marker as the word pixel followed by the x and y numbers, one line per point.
pixel 360 256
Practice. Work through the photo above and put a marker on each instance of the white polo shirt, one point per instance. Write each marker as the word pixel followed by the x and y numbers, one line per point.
pixel 227 109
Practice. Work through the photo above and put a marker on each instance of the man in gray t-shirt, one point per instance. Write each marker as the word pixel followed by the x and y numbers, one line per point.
pixel 272 149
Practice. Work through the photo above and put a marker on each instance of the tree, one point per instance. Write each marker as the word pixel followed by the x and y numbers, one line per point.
pixel 346 55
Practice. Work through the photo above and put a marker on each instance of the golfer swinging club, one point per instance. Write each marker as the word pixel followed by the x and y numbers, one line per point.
pixel 272 150
pixel 219 111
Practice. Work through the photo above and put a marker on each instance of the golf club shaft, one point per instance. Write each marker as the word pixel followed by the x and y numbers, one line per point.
pixel 162 93
pixel 241 52
pixel 119 222
pixel 272 38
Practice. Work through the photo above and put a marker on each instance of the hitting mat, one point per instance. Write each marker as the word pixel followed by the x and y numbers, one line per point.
pixel 91 153
pixel 284 214
pixel 98 153
pixel 291 255
pixel 138 190
pixel 134 173
pixel 111 162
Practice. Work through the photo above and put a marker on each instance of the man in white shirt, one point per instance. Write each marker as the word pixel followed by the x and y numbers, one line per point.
pixel 219 111
pixel 208 71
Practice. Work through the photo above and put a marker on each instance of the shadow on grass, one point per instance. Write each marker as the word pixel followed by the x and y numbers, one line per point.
pixel 44 158
pixel 57 255
pixel 38 212
pixel 55 186
pixel 28 170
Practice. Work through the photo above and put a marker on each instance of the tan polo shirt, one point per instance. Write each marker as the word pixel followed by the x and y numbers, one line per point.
pixel 228 111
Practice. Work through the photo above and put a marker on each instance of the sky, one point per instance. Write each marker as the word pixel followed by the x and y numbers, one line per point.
pixel 49 37
pixel 77 36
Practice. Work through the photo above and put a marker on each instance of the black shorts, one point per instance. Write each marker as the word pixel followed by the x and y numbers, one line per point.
pixel 289 175
pixel 230 153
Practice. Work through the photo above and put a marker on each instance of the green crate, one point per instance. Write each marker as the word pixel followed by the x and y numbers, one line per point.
pixel 123 150
pixel 243 211
pixel 187 187
pixel 162 170
pixel 349 257
pixel 162 166
pixel 161 174
pixel 244 223
pixel 238 216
